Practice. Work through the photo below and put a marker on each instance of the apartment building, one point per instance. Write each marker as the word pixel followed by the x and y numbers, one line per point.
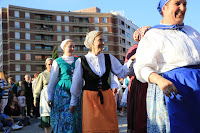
pixel 28 36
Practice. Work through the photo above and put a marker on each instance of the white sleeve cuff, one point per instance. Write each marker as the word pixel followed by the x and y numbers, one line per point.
pixel 145 72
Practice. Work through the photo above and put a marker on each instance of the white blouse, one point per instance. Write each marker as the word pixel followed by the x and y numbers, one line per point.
pixel 54 75
pixel 97 65
pixel 163 50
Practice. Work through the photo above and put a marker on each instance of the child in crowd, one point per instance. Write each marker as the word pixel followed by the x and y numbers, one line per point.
pixel 22 102
pixel 124 97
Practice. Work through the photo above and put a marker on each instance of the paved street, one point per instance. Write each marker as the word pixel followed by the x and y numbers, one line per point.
pixel 33 128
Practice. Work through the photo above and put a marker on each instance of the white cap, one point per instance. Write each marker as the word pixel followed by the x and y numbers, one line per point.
pixel 64 42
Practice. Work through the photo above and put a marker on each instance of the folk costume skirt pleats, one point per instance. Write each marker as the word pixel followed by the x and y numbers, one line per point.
pixel 97 117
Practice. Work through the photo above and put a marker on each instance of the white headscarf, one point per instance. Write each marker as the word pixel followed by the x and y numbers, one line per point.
pixel 48 60
pixel 89 39
pixel 64 42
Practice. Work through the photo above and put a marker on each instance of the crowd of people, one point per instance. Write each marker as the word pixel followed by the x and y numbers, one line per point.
pixel 157 84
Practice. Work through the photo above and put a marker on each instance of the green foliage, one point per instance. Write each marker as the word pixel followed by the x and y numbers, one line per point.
pixel 55 53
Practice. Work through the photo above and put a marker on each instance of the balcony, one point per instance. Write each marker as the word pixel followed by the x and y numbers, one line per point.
pixel 81 19
pixel 43 17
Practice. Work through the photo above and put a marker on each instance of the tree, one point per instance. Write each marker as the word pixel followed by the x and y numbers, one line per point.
pixel 55 53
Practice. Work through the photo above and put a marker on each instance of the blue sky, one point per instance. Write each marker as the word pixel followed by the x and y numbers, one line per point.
pixel 141 12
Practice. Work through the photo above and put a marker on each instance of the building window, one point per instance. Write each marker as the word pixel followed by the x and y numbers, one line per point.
pixel 85 49
pixel 38 57
pixel 59 28
pixel 38 47
pixel 105 38
pixel 96 20
pixel 38 37
pixel 66 28
pixel 17 46
pixel 59 48
pixel 27 36
pixel 28 46
pixel 17 35
pixel 16 14
pixel 58 18
pixel 96 28
pixel 17 78
pixel 105 29
pixel 47 48
pixel 104 20
pixel 28 57
pixel 59 38
pixel 27 15
pixel 38 68
pixel 67 37
pixel 28 68
pixel 17 56
pixel 66 18
pixel 17 68
pixel 27 25
pixel 105 48
pixel 17 25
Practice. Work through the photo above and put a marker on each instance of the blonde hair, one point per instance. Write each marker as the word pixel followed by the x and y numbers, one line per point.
pixel 67 43
pixel 2 76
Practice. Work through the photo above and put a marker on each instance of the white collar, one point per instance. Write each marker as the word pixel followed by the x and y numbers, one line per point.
pixel 67 57
pixel 93 55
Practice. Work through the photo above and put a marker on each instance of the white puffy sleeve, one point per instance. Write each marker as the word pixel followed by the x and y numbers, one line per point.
pixel 146 58
pixel 53 80
pixel 121 71
pixel 77 83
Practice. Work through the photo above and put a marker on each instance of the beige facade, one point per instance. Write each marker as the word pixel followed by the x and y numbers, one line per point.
pixel 27 36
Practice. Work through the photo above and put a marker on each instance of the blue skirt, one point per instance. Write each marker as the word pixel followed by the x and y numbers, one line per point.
pixel 184 108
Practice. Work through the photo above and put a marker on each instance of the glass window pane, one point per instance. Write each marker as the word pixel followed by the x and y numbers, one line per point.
pixel 17 68
pixel 17 14
pixel 28 57
pixel 17 56
pixel 28 36
pixel 66 18
pixel 17 78
pixel 27 15
pixel 17 35
pixel 28 46
pixel 58 18
pixel 96 20
pixel 17 25
pixel 27 25
pixel 17 46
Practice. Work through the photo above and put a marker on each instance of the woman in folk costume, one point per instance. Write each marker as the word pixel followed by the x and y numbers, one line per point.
pixel 99 109
pixel 136 104
pixel 168 58
pixel 59 96
pixel 40 90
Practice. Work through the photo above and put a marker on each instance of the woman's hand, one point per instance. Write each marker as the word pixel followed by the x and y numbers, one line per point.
pixel 114 91
pixel 133 57
pixel 72 109
pixel 165 85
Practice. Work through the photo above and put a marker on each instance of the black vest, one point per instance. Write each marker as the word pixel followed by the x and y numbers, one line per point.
pixel 92 81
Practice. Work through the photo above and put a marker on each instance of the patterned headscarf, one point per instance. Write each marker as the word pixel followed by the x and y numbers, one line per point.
pixel 161 4
pixel 89 39
pixel 139 33
pixel 64 42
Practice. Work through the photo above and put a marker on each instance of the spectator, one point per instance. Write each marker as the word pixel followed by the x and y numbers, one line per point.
pixel 14 86
pixel 27 87
pixel 5 90
pixel 22 102
pixel 12 109
pixel 19 87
